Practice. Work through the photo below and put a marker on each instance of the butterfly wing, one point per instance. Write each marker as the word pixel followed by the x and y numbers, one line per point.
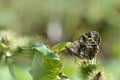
pixel 87 46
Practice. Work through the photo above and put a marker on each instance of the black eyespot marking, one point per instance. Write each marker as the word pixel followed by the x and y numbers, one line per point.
pixel 87 46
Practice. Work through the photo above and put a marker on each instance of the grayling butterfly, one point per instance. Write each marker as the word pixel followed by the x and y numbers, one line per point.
pixel 87 46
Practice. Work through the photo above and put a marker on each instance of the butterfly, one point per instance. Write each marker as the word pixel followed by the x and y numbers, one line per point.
pixel 86 47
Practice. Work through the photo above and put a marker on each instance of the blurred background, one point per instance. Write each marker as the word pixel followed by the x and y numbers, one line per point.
pixel 65 20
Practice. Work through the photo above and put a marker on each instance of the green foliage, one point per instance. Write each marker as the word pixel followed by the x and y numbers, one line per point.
pixel 75 17
pixel 60 46
pixel 11 69
pixel 4 73
pixel 86 68
pixel 92 70
pixel 46 65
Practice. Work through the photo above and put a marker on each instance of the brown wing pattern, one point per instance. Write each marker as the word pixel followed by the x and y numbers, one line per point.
pixel 87 46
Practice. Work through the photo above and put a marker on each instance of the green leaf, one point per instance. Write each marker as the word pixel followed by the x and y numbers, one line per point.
pixel 45 65
pixel 60 46
pixel 11 69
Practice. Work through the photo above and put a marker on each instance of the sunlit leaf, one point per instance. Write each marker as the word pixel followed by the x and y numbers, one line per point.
pixel 60 46
pixel 45 65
